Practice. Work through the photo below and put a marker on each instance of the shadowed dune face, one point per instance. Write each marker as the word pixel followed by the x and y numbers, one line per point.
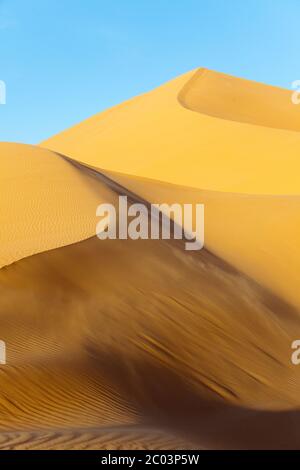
pixel 110 438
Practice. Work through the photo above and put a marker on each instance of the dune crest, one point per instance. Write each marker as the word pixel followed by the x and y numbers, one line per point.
pixel 155 136
pixel 235 99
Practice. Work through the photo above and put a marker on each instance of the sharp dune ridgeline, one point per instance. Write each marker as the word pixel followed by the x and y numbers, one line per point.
pixel 121 344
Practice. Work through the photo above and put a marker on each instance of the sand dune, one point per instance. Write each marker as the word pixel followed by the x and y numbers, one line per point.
pixel 140 344
pixel 226 97
pixel 255 233
pixel 160 347
pixel 45 202
pixel 136 333
pixel 232 139
pixel 161 139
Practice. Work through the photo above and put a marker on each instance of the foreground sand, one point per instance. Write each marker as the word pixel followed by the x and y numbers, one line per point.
pixel 139 344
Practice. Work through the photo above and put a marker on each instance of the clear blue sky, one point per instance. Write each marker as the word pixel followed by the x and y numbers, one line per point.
pixel 64 60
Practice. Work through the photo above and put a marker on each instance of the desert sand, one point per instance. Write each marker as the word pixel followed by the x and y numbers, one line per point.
pixel 45 202
pixel 241 149
pixel 139 344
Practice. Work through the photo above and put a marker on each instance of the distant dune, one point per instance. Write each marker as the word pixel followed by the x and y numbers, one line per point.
pixel 162 136
pixel 140 344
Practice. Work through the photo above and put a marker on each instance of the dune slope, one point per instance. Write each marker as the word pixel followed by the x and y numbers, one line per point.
pixel 160 136
pixel 255 233
pixel 136 343
pixel 233 140
pixel 45 202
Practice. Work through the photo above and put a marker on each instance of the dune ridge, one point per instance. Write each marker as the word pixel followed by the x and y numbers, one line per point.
pixel 160 139
pixel 258 244
pixel 45 202
pixel 235 99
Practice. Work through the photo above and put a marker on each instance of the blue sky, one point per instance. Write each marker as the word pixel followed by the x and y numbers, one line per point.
pixel 64 60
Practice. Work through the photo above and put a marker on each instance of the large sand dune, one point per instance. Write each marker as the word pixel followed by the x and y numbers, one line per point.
pixel 232 139
pixel 161 136
pixel 141 344
pixel 146 343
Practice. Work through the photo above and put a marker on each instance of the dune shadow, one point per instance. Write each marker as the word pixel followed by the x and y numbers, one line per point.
pixel 167 400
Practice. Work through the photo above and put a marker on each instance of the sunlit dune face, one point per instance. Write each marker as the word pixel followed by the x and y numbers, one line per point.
pixel 165 135
pixel 229 98
pixel 45 202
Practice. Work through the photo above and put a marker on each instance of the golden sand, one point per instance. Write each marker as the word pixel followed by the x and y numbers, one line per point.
pixel 159 136
pixel 139 344
pixel 232 139
pixel 45 202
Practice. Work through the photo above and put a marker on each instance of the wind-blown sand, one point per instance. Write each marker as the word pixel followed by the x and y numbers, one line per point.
pixel 139 344
pixel 254 232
